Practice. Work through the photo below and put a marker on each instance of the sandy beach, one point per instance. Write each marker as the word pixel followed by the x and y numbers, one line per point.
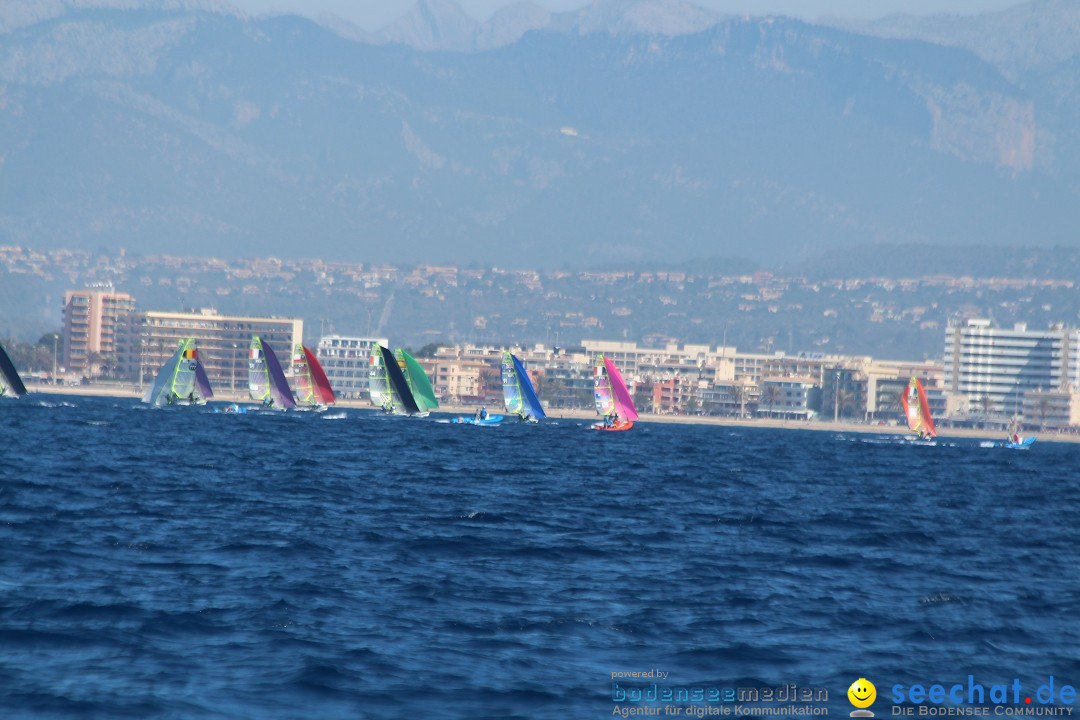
pixel 944 433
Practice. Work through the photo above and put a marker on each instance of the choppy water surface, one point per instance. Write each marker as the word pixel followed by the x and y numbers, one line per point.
pixel 182 563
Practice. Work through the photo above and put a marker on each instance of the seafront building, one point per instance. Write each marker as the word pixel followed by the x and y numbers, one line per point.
pixel 345 361
pixel 95 323
pixel 223 342
pixel 992 370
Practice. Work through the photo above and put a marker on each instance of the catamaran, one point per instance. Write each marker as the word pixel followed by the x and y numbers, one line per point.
pixel 387 385
pixel 181 380
pixel 312 387
pixel 519 396
pixel 417 381
pixel 917 410
pixel 613 400
pixel 266 379
pixel 9 377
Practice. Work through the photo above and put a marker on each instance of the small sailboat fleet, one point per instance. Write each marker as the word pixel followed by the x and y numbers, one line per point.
pixel 613 401
pixel 181 380
pixel 10 382
pixel 917 410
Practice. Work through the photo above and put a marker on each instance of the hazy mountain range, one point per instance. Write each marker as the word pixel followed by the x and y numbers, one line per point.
pixel 630 131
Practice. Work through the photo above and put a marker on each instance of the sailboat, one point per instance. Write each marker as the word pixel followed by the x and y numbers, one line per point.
pixel 181 380
pixel 1013 440
pixel 613 400
pixel 266 379
pixel 387 385
pixel 917 410
pixel 519 396
pixel 9 377
pixel 312 387
pixel 417 381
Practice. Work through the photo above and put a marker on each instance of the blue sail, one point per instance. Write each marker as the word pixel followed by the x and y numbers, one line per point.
pixel 519 397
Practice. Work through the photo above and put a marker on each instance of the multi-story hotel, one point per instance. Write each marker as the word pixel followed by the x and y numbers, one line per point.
pixel 993 368
pixel 345 361
pixel 95 326
pixel 223 342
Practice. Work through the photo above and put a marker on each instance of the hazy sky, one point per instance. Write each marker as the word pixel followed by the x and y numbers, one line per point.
pixel 375 14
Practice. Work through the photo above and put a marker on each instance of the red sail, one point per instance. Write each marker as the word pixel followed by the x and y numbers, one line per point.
pixel 917 409
pixel 322 385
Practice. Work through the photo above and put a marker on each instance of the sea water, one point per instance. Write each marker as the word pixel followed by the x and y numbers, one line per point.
pixel 184 563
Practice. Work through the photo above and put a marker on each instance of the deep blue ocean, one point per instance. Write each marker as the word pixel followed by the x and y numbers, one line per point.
pixel 183 563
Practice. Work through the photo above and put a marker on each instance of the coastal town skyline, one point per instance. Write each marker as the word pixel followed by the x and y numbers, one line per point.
pixel 899 317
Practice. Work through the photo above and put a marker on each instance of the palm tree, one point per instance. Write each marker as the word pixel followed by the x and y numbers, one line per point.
pixel 770 394
pixel 738 394
pixel 845 400
pixel 986 403
pixel 555 390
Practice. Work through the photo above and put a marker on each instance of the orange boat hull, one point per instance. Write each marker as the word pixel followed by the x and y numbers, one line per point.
pixel 621 425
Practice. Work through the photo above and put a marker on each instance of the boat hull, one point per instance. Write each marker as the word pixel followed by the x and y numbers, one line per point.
pixel 617 427
pixel 489 420
pixel 1026 442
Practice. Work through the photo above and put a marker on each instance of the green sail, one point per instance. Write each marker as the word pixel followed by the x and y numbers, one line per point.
pixel 422 392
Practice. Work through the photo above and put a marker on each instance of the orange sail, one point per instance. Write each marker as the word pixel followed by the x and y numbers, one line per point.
pixel 917 410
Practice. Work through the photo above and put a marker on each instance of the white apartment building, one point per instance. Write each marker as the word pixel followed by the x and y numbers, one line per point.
pixel 345 362
pixel 994 367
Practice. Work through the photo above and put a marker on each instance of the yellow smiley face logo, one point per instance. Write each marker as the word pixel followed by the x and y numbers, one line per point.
pixel 862 693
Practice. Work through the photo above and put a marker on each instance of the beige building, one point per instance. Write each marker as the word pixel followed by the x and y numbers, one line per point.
pixel 223 342
pixel 95 327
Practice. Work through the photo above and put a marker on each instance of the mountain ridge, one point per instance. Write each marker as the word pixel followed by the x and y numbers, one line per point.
pixel 760 137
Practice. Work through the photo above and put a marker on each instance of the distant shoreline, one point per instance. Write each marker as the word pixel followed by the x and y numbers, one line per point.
pixel 127 391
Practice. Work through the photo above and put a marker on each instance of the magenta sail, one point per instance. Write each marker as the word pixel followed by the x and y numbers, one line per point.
pixel 624 404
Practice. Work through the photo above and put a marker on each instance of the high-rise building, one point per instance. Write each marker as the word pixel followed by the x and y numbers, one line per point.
pixel 95 326
pixel 994 367
pixel 223 342
pixel 345 362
